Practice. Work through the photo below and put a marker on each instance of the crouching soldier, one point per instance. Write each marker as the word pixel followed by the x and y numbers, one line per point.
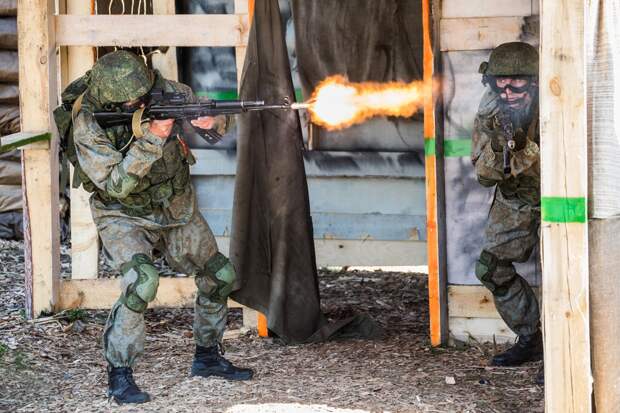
pixel 142 199
pixel 505 154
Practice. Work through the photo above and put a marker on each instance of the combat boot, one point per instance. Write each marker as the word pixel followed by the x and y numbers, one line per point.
pixel 122 387
pixel 527 348
pixel 208 361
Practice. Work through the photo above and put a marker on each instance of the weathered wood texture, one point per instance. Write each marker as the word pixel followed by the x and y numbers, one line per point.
pixel 38 95
pixel 604 245
pixel 568 385
pixel 147 30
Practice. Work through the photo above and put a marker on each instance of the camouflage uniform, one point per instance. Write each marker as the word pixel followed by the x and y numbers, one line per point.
pixel 143 200
pixel 512 229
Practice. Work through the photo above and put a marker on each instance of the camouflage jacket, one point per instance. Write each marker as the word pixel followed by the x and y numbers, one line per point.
pixel 147 178
pixel 523 183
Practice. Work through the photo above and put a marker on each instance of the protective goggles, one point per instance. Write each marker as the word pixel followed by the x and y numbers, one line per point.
pixel 514 89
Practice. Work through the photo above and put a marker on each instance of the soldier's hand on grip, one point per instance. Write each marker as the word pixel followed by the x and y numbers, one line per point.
pixel 161 128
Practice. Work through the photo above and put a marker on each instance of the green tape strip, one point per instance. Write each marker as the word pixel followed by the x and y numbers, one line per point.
pixel 457 147
pixel 454 148
pixel 558 209
pixel 231 94
pixel 36 138
pixel 429 147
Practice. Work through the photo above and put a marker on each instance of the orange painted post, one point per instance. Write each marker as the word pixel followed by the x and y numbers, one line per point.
pixel 436 289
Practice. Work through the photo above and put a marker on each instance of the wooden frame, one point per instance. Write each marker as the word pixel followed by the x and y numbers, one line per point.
pixel 39 64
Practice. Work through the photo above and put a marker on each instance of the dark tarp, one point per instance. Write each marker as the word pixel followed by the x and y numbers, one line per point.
pixel 8 7
pixel 365 40
pixel 9 119
pixel 8 33
pixel 9 66
pixel 272 245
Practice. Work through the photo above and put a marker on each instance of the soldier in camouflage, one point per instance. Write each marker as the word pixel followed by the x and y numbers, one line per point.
pixel 142 199
pixel 512 229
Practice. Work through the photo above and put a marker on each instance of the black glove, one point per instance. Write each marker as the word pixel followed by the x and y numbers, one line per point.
pixel 520 139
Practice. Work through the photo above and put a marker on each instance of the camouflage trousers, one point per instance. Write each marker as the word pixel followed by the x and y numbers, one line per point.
pixel 511 235
pixel 187 248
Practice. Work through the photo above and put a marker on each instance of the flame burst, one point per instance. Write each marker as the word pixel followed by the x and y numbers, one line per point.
pixel 337 103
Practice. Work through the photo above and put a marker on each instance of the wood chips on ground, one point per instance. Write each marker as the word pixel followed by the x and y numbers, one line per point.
pixel 56 364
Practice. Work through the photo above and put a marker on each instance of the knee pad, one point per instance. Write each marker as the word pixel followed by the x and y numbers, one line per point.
pixel 143 290
pixel 485 267
pixel 217 279
pixel 495 274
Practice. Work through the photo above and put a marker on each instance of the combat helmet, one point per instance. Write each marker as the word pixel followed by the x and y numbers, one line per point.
pixel 120 76
pixel 511 59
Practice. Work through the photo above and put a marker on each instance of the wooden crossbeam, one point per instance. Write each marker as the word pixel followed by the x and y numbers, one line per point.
pixel 479 33
pixel 101 294
pixel 187 30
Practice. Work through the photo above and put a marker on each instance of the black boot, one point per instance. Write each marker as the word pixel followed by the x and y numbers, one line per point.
pixel 527 348
pixel 209 362
pixel 122 387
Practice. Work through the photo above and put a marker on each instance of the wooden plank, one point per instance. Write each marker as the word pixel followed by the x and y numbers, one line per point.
pixel 38 95
pixel 472 301
pixel 101 294
pixel 485 8
pixel 84 238
pixel 25 140
pixel 564 170
pixel 323 164
pixel 479 33
pixel 148 30
pixel 436 275
pixel 166 63
pixel 481 330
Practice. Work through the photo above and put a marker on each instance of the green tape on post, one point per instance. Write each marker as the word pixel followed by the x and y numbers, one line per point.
pixel 558 209
pixel 17 140
pixel 429 147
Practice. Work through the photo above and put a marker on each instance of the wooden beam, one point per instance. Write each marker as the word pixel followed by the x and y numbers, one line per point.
pixel 140 30
pixel 25 140
pixel 38 96
pixel 472 301
pixel 479 33
pixel 485 8
pixel 438 310
pixel 102 293
pixel 564 179
pixel 480 330
pixel 84 238
pixel 166 63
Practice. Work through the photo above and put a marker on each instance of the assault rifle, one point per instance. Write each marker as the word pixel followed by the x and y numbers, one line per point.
pixel 171 105
pixel 506 124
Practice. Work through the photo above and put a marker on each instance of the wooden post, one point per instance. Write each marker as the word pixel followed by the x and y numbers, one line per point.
pixel 437 291
pixel 84 238
pixel 38 95
pixel 166 63
pixel 563 127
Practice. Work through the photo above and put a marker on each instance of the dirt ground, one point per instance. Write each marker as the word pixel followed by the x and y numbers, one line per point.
pixel 57 365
